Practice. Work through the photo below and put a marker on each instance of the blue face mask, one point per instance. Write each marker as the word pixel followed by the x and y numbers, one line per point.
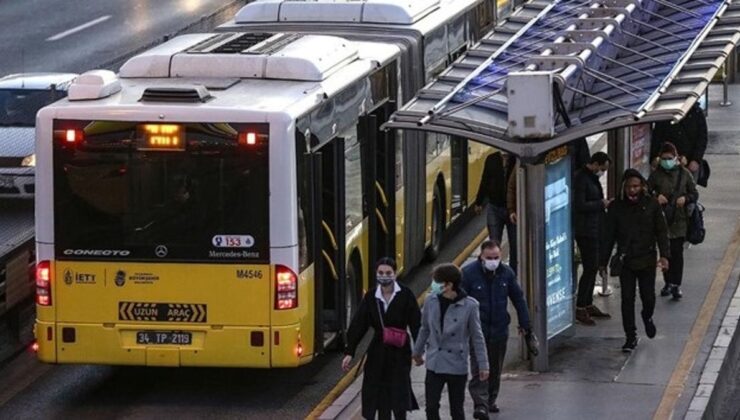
pixel 437 288
pixel 668 164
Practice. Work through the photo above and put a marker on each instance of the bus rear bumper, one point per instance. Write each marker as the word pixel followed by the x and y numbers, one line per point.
pixel 221 346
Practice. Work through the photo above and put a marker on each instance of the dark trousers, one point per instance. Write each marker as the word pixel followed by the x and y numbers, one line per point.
pixel 496 219
pixel 674 274
pixel 589 248
pixel 455 390
pixel 628 281
pixel 484 393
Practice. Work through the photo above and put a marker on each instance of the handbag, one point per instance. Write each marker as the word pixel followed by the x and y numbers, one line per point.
pixel 704 172
pixel 695 231
pixel 392 336
pixel 616 263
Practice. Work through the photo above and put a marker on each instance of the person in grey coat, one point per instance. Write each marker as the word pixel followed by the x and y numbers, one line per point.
pixel 450 323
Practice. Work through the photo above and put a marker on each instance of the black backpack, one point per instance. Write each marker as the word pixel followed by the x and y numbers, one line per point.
pixel 695 231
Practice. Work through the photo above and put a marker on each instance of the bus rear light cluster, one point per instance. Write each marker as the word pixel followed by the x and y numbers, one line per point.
pixel 43 283
pixel 286 288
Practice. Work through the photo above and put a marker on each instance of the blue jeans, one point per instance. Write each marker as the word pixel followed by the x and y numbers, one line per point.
pixel 496 218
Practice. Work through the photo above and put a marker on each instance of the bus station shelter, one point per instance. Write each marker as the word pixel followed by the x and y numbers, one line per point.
pixel 553 73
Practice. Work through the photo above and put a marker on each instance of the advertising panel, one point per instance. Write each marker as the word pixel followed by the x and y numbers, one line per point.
pixel 558 245
pixel 640 149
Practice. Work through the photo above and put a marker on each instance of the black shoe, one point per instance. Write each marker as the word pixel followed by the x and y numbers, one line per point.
pixel 480 414
pixel 676 292
pixel 666 290
pixel 650 329
pixel 493 408
pixel 629 345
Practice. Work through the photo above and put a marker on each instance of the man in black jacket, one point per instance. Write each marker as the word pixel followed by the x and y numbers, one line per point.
pixel 636 223
pixel 492 191
pixel 588 219
pixel 688 135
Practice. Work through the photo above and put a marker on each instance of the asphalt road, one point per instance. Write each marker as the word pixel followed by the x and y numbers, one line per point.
pixel 79 35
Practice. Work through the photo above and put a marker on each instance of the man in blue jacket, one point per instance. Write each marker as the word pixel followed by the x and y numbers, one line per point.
pixel 492 283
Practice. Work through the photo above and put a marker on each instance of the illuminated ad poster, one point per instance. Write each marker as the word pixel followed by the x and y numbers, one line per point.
pixel 640 149
pixel 558 245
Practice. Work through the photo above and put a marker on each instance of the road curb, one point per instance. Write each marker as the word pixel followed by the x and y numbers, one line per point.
pixel 717 378
pixel 204 23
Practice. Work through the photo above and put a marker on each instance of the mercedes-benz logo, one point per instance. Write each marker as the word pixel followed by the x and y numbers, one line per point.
pixel 161 251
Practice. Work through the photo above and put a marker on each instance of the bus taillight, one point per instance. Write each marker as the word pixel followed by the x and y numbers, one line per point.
pixel 43 283
pixel 286 288
pixel 247 139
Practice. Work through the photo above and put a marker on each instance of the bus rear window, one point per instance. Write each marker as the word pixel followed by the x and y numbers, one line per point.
pixel 161 192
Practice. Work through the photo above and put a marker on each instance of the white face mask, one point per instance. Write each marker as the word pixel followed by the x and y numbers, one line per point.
pixel 491 265
pixel 600 173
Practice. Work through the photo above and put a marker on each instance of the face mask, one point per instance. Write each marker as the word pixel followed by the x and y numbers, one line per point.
pixel 600 173
pixel 437 288
pixel 491 265
pixel 668 164
pixel 385 280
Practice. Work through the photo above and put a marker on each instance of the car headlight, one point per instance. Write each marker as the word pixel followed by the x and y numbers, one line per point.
pixel 29 160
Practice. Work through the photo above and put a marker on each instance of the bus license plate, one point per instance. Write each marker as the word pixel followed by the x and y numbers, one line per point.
pixel 164 337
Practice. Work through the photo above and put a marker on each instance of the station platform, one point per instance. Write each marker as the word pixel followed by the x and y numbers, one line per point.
pixel 670 376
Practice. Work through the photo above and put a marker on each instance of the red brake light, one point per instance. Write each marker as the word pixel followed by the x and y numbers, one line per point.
pixel 286 288
pixel 247 139
pixel 73 136
pixel 43 283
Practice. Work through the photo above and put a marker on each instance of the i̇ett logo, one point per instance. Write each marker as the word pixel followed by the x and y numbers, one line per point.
pixel 120 278
pixel 68 277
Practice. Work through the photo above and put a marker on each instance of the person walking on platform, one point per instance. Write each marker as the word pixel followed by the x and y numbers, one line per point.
pixel 450 324
pixel 492 189
pixel 588 219
pixel 689 136
pixel 492 283
pixel 386 384
pixel 635 223
pixel 675 188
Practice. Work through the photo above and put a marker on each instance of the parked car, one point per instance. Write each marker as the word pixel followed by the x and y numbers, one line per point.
pixel 21 96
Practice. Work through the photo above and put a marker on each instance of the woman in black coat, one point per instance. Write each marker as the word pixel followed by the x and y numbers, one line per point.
pixel 386 386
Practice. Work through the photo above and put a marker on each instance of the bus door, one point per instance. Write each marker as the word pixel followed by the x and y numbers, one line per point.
pixel 459 175
pixel 378 151
pixel 328 182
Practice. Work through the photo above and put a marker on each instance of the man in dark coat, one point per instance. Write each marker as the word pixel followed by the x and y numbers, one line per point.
pixel 492 283
pixel 689 135
pixel 386 384
pixel 636 223
pixel 492 191
pixel 588 218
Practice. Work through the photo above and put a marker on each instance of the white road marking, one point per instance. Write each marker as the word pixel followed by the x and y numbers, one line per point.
pixel 76 29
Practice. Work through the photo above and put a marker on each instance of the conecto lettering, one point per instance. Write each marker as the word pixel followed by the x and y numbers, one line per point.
pixel 98 252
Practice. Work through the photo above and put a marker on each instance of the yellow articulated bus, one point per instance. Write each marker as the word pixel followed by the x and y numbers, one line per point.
pixel 221 200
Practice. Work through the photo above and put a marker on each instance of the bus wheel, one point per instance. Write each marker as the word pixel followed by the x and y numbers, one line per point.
pixel 438 225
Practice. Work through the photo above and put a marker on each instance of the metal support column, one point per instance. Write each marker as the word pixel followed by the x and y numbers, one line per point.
pixel 530 187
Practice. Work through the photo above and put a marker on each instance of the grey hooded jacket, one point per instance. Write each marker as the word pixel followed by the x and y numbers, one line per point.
pixel 447 351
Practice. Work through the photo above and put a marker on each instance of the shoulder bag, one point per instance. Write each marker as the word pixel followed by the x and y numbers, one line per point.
pixel 392 336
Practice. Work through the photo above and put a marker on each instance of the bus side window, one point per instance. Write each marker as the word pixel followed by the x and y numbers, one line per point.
pixel 399 159
pixel 353 179
pixel 305 216
pixel 485 18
